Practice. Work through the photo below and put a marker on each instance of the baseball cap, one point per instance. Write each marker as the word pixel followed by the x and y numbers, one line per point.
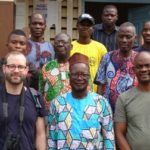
pixel 86 17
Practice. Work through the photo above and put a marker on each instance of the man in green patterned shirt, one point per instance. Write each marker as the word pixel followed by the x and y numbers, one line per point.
pixel 55 78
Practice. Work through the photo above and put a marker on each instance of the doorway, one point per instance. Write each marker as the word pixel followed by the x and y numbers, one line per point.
pixel 127 12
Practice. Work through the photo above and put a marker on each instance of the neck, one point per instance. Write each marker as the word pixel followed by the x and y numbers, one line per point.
pixel 144 88
pixel 37 39
pixel 13 89
pixel 108 29
pixel 84 40
pixel 79 95
pixel 125 54
pixel 62 60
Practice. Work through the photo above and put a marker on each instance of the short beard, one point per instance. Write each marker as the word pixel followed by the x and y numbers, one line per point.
pixel 8 79
pixel 80 90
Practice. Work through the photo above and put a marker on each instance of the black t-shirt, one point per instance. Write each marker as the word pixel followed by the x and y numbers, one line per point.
pixel 28 130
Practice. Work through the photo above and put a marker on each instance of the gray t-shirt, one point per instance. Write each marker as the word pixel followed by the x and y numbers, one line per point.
pixel 133 107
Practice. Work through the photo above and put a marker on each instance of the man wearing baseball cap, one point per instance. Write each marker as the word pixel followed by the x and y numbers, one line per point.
pixel 86 17
pixel 85 45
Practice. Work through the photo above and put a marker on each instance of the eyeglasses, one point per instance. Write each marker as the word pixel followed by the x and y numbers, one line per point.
pixel 82 75
pixel 57 43
pixel 12 67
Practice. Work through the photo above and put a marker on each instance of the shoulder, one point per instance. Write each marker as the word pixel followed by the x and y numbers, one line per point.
pixel 137 49
pixel 38 101
pixel 97 97
pixel 101 101
pixel 98 26
pixel 35 96
pixel 74 41
pixel 30 41
pixel 107 56
pixel 48 43
pixel 128 95
pixel 50 65
pixel 59 100
pixel 114 53
pixel 98 44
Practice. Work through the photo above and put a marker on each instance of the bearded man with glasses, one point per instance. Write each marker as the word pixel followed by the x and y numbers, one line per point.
pixel 22 126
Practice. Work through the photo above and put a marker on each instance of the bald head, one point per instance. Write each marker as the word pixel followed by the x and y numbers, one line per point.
pixel 127 25
pixel 142 68
pixel 64 36
pixel 141 56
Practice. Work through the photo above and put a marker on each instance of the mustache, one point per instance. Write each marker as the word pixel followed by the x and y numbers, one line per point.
pixel 15 74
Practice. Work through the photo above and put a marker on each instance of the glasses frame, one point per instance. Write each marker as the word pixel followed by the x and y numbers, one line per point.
pixel 13 67
pixel 82 75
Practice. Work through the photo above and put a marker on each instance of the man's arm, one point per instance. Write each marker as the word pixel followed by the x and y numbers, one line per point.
pixel 101 76
pixel 52 122
pixel 120 131
pixel 107 126
pixel 40 134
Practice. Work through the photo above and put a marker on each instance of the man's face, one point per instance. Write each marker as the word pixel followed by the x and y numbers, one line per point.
pixel 17 43
pixel 142 68
pixel 15 70
pixel 79 77
pixel 146 32
pixel 109 17
pixel 62 46
pixel 85 28
pixel 37 26
pixel 126 38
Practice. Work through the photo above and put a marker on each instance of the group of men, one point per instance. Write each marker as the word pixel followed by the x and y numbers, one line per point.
pixel 64 73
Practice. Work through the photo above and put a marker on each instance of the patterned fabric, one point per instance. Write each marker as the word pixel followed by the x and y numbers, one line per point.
pixel 94 51
pixel 55 79
pixel 118 73
pixel 80 123
pixel 109 40
pixel 39 53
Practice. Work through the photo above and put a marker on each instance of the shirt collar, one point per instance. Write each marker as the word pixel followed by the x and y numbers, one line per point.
pixel 100 27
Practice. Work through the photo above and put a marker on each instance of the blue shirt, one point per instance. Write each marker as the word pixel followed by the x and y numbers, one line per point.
pixel 28 130
pixel 80 123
